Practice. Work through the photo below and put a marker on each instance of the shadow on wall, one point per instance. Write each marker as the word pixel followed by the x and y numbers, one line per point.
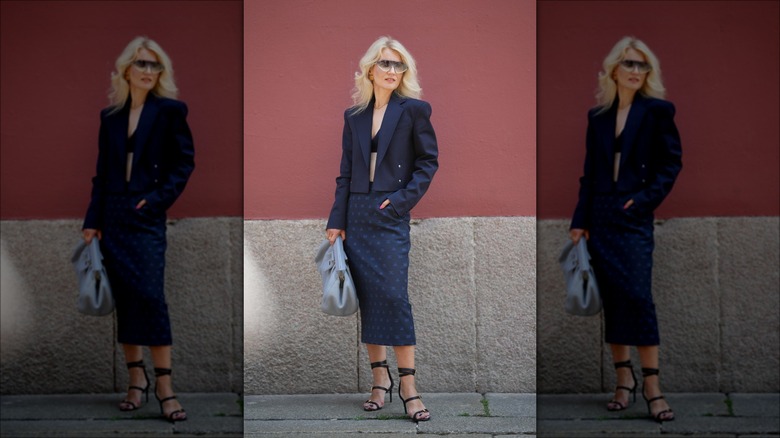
pixel 259 315
pixel 14 307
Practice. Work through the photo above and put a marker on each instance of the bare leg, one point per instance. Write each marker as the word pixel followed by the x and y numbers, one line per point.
pixel 651 386
pixel 377 353
pixel 133 353
pixel 161 356
pixel 621 353
pixel 405 357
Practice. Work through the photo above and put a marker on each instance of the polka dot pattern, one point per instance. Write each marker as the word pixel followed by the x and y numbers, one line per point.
pixel 621 247
pixel 133 247
pixel 377 247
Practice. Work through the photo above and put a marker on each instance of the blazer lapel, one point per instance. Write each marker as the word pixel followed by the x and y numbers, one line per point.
pixel 118 123
pixel 389 122
pixel 606 130
pixel 363 128
pixel 634 120
pixel 148 114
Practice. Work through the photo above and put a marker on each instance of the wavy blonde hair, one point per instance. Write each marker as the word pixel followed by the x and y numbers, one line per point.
pixel 607 90
pixel 364 88
pixel 120 87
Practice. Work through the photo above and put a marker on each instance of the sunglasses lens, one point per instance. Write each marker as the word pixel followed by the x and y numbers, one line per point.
pixel 142 65
pixel 630 65
pixel 385 65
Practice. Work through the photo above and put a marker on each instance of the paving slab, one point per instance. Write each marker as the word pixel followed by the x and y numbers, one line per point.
pixel 97 415
pixel 329 415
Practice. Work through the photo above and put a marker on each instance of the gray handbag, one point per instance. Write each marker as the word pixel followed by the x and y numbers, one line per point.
pixel 95 297
pixel 339 297
pixel 582 291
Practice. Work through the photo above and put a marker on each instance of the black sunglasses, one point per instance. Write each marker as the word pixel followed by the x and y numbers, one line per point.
pixel 630 64
pixel 386 65
pixel 142 65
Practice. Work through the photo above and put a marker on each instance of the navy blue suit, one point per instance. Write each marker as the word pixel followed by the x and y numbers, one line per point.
pixel 407 156
pixel 133 240
pixel 162 161
pixel 621 240
pixel 650 156
pixel 377 243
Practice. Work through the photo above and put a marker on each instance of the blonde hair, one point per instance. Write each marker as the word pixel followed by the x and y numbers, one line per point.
pixel 120 87
pixel 607 90
pixel 364 88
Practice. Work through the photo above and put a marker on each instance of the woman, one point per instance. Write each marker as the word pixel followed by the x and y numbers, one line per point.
pixel 144 160
pixel 632 160
pixel 389 156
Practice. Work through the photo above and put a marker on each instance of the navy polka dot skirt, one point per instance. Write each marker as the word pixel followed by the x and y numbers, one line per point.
pixel 133 247
pixel 621 248
pixel 377 247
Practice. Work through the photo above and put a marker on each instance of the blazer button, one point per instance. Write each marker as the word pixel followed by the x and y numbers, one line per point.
pixel 643 166
pixel 156 180
pixel 399 180
pixel 399 165
pixel 155 166
pixel 643 180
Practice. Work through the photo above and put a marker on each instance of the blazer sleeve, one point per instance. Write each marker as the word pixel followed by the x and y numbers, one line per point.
pixel 338 213
pixel 426 161
pixel 94 216
pixel 582 211
pixel 666 156
pixel 179 157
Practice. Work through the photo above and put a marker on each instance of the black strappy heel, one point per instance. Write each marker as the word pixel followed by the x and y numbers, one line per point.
pixel 615 405
pixel 172 417
pixel 123 405
pixel 368 403
pixel 415 417
pixel 647 372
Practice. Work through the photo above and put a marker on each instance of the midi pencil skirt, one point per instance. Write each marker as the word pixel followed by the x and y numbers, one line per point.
pixel 621 248
pixel 133 246
pixel 377 248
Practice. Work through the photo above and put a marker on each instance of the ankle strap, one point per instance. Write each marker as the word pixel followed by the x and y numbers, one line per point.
pixel 405 372
pixel 625 364
pixel 646 372
pixel 380 364
pixel 162 372
pixel 139 364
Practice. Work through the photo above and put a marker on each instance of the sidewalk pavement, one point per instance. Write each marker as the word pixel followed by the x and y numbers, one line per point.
pixel 97 415
pixel 342 415
pixel 696 415
pixel 471 415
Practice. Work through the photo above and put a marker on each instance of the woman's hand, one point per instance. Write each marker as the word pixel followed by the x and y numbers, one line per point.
pixel 140 204
pixel 384 204
pixel 332 233
pixel 628 203
pixel 90 233
pixel 575 234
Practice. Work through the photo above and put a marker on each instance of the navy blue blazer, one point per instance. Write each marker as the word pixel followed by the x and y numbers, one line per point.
pixel 651 157
pixel 407 156
pixel 163 158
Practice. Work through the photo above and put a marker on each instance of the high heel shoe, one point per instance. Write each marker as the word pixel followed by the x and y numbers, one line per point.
pixel 416 417
pixel 659 417
pixel 615 405
pixel 172 416
pixel 370 405
pixel 127 405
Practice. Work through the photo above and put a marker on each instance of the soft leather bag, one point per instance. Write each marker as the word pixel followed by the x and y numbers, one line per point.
pixel 95 297
pixel 339 297
pixel 582 291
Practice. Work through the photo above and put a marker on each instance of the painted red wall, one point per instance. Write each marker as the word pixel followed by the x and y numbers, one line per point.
pixel 477 65
pixel 57 57
pixel 720 63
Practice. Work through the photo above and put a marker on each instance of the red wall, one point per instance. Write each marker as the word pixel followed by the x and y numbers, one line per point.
pixel 477 65
pixel 720 65
pixel 57 57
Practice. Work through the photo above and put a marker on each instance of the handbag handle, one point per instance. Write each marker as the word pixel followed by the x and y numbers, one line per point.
pixel 583 258
pixel 339 256
pixel 95 257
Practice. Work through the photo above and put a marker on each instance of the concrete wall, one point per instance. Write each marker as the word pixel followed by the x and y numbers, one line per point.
pixel 717 293
pixel 472 287
pixel 46 346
